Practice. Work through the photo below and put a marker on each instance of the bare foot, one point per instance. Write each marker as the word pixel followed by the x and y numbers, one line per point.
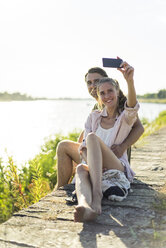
pixel 82 214
pixel 96 207
pixel 96 203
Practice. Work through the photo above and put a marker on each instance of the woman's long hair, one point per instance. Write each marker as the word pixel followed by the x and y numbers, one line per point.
pixel 121 98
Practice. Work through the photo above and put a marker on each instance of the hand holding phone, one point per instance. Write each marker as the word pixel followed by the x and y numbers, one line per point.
pixel 113 63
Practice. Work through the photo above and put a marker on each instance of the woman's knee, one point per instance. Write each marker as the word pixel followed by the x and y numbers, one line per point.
pixel 81 168
pixel 91 137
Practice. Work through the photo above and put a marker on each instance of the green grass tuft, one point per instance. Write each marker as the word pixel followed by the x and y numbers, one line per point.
pixel 20 188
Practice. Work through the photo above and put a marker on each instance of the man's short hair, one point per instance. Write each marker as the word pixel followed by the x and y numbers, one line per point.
pixel 96 70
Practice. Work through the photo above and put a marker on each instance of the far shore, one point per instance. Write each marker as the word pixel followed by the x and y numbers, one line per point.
pixel 47 99
pixel 163 101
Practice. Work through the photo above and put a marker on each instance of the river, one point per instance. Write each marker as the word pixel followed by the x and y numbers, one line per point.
pixel 26 124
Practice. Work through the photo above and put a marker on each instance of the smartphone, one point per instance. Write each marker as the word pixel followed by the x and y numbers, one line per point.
pixel 114 63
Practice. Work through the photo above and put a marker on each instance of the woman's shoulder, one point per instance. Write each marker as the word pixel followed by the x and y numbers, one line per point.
pixel 95 114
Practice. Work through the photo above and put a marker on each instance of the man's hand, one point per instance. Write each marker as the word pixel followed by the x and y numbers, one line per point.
pixel 83 154
pixel 118 150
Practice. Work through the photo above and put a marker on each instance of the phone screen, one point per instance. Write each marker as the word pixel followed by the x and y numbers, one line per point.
pixel 114 63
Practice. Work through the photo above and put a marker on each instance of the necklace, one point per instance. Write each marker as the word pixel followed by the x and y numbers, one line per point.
pixel 111 118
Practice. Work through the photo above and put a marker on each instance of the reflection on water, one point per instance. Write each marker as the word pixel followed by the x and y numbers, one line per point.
pixel 25 125
pixel 150 110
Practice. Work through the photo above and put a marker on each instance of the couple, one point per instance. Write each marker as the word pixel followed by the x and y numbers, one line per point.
pixel 109 131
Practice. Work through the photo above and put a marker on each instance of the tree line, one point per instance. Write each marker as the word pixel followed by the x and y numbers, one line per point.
pixel 5 96
pixel 160 95
pixel 17 96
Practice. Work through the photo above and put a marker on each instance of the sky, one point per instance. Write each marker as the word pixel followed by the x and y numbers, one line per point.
pixel 47 46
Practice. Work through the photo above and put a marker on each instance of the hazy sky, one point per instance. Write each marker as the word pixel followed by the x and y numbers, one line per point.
pixel 46 46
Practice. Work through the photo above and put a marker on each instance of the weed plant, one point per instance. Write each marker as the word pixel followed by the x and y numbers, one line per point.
pixel 21 187
pixel 151 127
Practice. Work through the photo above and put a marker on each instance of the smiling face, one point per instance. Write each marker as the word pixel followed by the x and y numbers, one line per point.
pixel 108 94
pixel 91 80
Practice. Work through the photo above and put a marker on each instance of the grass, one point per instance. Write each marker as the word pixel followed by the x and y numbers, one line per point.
pixel 20 188
pixel 151 127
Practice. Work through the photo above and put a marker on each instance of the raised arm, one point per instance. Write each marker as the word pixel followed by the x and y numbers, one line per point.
pixel 137 129
pixel 128 73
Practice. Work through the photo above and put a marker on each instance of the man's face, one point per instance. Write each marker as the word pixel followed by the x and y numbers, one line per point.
pixel 91 80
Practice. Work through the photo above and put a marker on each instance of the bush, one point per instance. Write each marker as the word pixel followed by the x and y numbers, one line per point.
pixel 20 188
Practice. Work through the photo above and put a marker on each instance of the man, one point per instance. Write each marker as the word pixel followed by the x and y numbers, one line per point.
pixel 67 151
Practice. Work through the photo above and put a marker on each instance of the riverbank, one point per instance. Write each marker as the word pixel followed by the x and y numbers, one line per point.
pixel 139 221
pixel 148 100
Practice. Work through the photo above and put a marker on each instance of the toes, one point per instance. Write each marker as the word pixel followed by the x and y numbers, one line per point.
pixel 82 214
pixel 79 214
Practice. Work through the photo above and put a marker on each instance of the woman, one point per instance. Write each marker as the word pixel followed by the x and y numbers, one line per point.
pixel 102 130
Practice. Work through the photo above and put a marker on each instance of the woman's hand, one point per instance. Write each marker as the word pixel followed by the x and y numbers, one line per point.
pixel 127 71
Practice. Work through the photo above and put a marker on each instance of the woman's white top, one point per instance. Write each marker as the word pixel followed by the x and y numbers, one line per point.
pixel 104 134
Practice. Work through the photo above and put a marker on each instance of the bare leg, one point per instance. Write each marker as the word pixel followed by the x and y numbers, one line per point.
pixel 83 212
pixel 95 164
pixel 67 151
pixel 88 185
pixel 99 156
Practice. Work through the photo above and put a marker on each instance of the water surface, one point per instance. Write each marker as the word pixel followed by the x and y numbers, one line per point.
pixel 25 124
